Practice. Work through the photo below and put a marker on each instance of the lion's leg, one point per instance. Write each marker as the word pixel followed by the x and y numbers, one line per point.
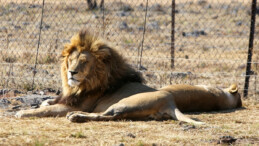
pixel 115 112
pixel 178 115
pixel 46 111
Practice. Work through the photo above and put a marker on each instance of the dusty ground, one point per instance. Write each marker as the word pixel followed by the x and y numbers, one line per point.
pixel 241 124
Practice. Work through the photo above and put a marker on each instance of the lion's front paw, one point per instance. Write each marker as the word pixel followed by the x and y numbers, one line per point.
pixel 20 114
pixel 25 113
pixel 77 117
pixel 47 102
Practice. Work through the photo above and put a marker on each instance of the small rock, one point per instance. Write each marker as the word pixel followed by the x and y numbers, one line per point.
pixel 153 25
pixel 180 74
pixel 122 14
pixel 58 92
pixel 207 7
pixel 141 28
pixel 20 99
pixel 142 68
pixel 25 23
pixel 141 7
pixel 25 13
pixel 29 92
pixel 4 91
pixel 225 7
pixel 35 105
pixel 126 8
pixel 51 90
pixel 45 98
pixel 156 7
pixel 35 6
pixel 44 26
pixel 121 144
pixel 250 73
pixel 95 16
pixel 45 72
pixel 242 66
pixel 215 17
pixel 131 135
pixel 17 27
pixel 16 107
pixel 5 101
pixel 195 33
pixel 226 140
pixel 3 29
pixel 202 2
pixel 239 23
pixel 123 25
pixel 42 93
pixel 188 127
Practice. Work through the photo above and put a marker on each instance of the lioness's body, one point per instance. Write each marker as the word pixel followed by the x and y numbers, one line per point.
pixel 204 98
pixel 187 98
pixel 97 81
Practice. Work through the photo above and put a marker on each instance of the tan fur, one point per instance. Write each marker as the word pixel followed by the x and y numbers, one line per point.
pixel 99 83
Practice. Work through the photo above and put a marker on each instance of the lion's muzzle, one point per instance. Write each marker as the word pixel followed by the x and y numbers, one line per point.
pixel 72 81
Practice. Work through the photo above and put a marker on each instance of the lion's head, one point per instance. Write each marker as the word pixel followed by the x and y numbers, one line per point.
pixel 89 64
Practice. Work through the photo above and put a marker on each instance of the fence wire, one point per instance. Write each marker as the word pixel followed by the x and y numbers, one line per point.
pixel 210 40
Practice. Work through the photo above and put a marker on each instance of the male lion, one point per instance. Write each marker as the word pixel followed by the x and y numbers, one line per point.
pixel 97 81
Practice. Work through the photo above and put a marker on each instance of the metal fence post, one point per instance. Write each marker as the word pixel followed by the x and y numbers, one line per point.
pixel 38 45
pixel 250 48
pixel 140 51
pixel 172 34
pixel 102 7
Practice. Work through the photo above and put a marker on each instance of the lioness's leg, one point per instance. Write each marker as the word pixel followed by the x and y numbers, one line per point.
pixel 176 114
pixel 115 112
pixel 46 111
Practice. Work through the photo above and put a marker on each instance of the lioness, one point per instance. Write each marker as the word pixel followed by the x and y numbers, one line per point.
pixel 97 81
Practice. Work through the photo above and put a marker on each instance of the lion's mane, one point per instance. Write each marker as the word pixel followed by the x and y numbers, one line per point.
pixel 110 72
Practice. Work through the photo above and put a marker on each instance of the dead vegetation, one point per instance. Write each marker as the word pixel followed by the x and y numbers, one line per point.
pixel 241 125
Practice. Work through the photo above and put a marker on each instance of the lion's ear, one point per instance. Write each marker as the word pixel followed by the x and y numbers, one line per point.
pixel 104 52
pixel 233 89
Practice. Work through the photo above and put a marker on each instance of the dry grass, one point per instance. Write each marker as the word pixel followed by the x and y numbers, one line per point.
pixel 242 124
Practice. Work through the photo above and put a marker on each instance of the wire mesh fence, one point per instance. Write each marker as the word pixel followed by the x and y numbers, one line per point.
pixel 206 40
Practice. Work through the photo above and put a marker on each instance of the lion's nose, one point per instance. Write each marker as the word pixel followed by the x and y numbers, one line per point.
pixel 73 72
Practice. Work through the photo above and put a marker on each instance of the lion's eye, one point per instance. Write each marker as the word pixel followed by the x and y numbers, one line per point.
pixel 73 48
pixel 84 60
